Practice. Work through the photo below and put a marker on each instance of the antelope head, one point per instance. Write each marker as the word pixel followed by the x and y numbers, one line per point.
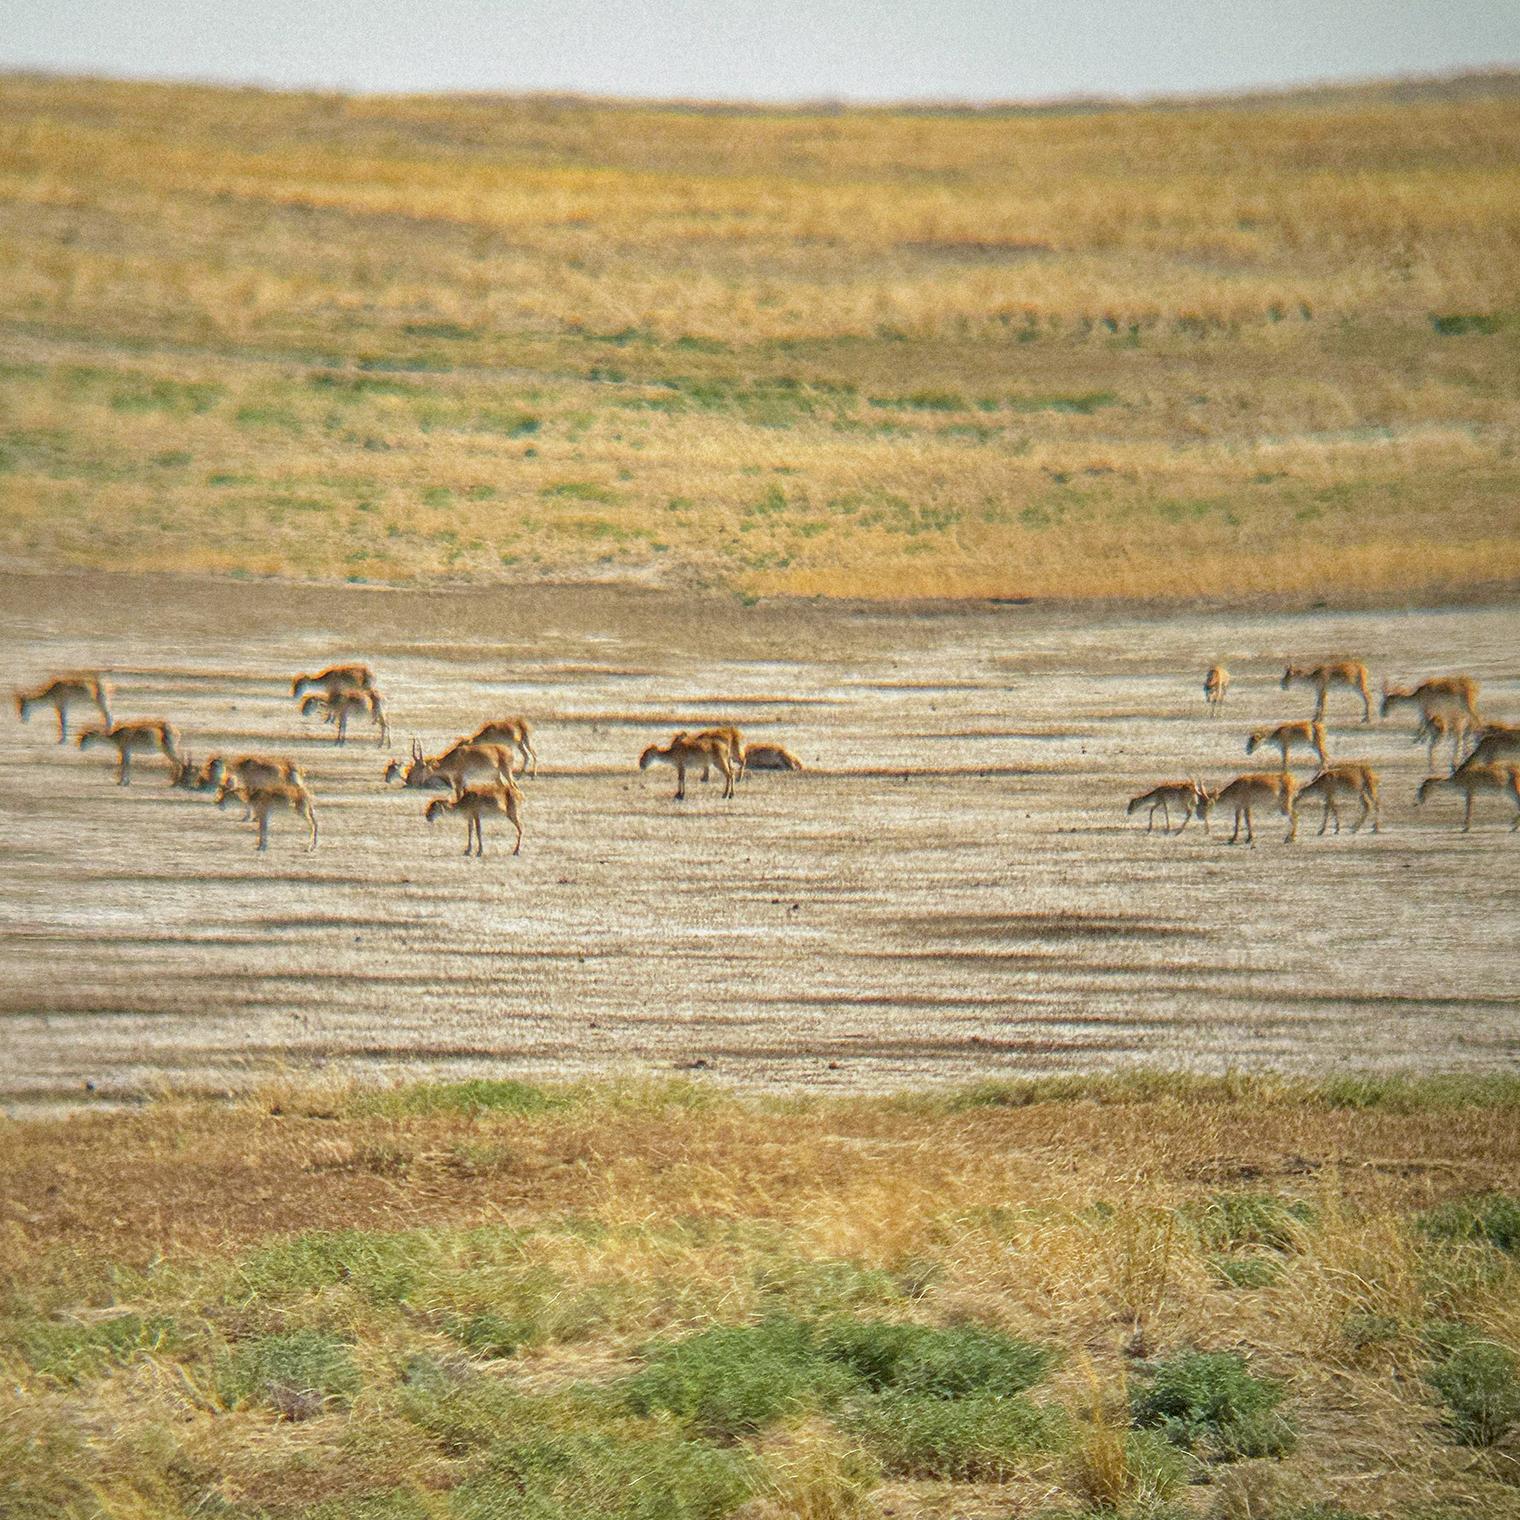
pixel 97 733
pixel 649 756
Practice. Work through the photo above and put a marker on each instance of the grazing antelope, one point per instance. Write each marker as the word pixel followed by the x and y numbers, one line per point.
pixel 246 770
pixel 454 767
pixel 1352 781
pixel 1261 789
pixel 1308 733
pixel 513 732
pixel 144 735
pixel 262 800
pixel 475 802
pixel 770 757
pixel 692 750
pixel 1215 685
pixel 735 742
pixel 349 704
pixel 1448 694
pixel 1348 673
pixel 63 693
pixel 1187 795
pixel 1436 727
pixel 1498 742
pixel 1470 780
pixel 335 679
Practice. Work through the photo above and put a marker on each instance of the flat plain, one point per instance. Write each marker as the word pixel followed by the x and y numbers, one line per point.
pixel 951 890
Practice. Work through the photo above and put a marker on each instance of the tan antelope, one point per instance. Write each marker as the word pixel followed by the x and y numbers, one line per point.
pixel 142 736
pixel 63 693
pixel 1436 727
pixel 1472 781
pixel 1261 789
pixel 735 742
pixel 513 732
pixel 1215 686
pixel 246 770
pixel 475 802
pixel 1351 781
pixel 1308 733
pixel 1348 673
pixel 260 801
pixel 350 704
pixel 1498 742
pixel 1446 694
pixel 1186 795
pixel 770 757
pixel 454 767
pixel 335 679
pixel 689 751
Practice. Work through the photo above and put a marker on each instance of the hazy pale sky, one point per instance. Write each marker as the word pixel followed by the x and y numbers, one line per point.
pixel 764 49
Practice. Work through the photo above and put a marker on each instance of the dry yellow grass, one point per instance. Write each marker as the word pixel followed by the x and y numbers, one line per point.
pixel 1261 348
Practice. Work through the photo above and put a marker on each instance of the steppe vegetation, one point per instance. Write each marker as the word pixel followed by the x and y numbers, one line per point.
pixel 1135 1296
pixel 1218 349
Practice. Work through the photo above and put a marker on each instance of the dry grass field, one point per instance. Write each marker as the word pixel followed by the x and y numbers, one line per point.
pixel 1246 1299
pixel 1222 350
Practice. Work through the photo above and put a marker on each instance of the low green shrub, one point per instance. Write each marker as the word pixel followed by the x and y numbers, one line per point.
pixel 1480 1385
pixel 73 1350
pixel 1228 1221
pixel 1490 1217
pixel 930 1363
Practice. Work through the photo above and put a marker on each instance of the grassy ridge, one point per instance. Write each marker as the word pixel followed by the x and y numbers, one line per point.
pixel 1150 1296
pixel 1217 350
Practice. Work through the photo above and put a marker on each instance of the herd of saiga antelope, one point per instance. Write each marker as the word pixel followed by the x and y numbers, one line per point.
pixel 1448 709
pixel 480 771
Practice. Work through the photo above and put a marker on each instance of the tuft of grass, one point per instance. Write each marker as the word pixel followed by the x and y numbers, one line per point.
pixel 1246 1271
pixel 69 1352
pixel 923 1362
pixel 1230 1221
pixel 1211 1402
pixel 297 1374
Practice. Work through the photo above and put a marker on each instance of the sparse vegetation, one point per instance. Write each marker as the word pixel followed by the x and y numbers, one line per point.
pixel 485 1298
pixel 1221 349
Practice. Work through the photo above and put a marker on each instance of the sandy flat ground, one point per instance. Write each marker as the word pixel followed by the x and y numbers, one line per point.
pixel 951 891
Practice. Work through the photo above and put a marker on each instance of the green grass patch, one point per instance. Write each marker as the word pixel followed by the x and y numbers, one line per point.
pixel 1459 324
pixel 1081 403
pixel 296 1374
pixel 382 1267
pixel 1490 1217
pixel 1230 1221
pixel 1212 1403
pixel 71 1351
pixel 982 1438
pixel 178 398
pixel 478 1097
pixel 579 490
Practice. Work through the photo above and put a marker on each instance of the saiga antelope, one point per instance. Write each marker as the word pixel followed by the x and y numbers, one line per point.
pixel 1261 789
pixel 1187 795
pixel 63 693
pixel 1498 742
pixel 513 732
pixel 1348 673
pixel 349 704
pixel 261 801
pixel 454 767
pixel 246 770
pixel 732 738
pixel 1309 733
pixel 770 757
pixel 1470 781
pixel 1349 782
pixel 1446 694
pixel 1436 728
pixel 690 750
pixel 335 679
pixel 475 802
pixel 143 735
pixel 1215 685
